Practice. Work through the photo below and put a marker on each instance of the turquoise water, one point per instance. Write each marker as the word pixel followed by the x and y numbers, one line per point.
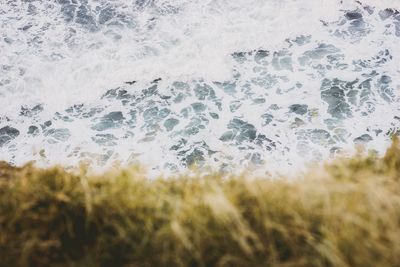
pixel 262 85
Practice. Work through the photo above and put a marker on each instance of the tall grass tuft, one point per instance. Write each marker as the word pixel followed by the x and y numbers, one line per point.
pixel 347 214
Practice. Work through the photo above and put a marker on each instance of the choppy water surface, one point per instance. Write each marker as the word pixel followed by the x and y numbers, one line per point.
pixel 263 84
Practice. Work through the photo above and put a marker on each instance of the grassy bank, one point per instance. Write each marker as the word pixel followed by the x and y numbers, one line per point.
pixel 346 215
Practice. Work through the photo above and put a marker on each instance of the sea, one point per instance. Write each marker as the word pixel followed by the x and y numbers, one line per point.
pixel 266 86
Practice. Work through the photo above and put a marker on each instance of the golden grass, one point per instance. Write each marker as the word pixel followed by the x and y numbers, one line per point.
pixel 346 215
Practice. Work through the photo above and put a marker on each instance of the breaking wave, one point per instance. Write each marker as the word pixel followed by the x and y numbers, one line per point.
pixel 264 84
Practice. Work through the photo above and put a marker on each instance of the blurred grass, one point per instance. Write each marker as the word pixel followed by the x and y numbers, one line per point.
pixel 347 214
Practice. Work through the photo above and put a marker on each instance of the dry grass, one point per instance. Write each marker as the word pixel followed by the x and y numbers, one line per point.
pixel 346 215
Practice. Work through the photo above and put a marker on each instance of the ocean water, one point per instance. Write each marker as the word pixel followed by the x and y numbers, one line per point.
pixel 266 85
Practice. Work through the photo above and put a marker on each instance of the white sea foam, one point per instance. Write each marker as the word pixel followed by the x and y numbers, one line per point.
pixel 61 54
